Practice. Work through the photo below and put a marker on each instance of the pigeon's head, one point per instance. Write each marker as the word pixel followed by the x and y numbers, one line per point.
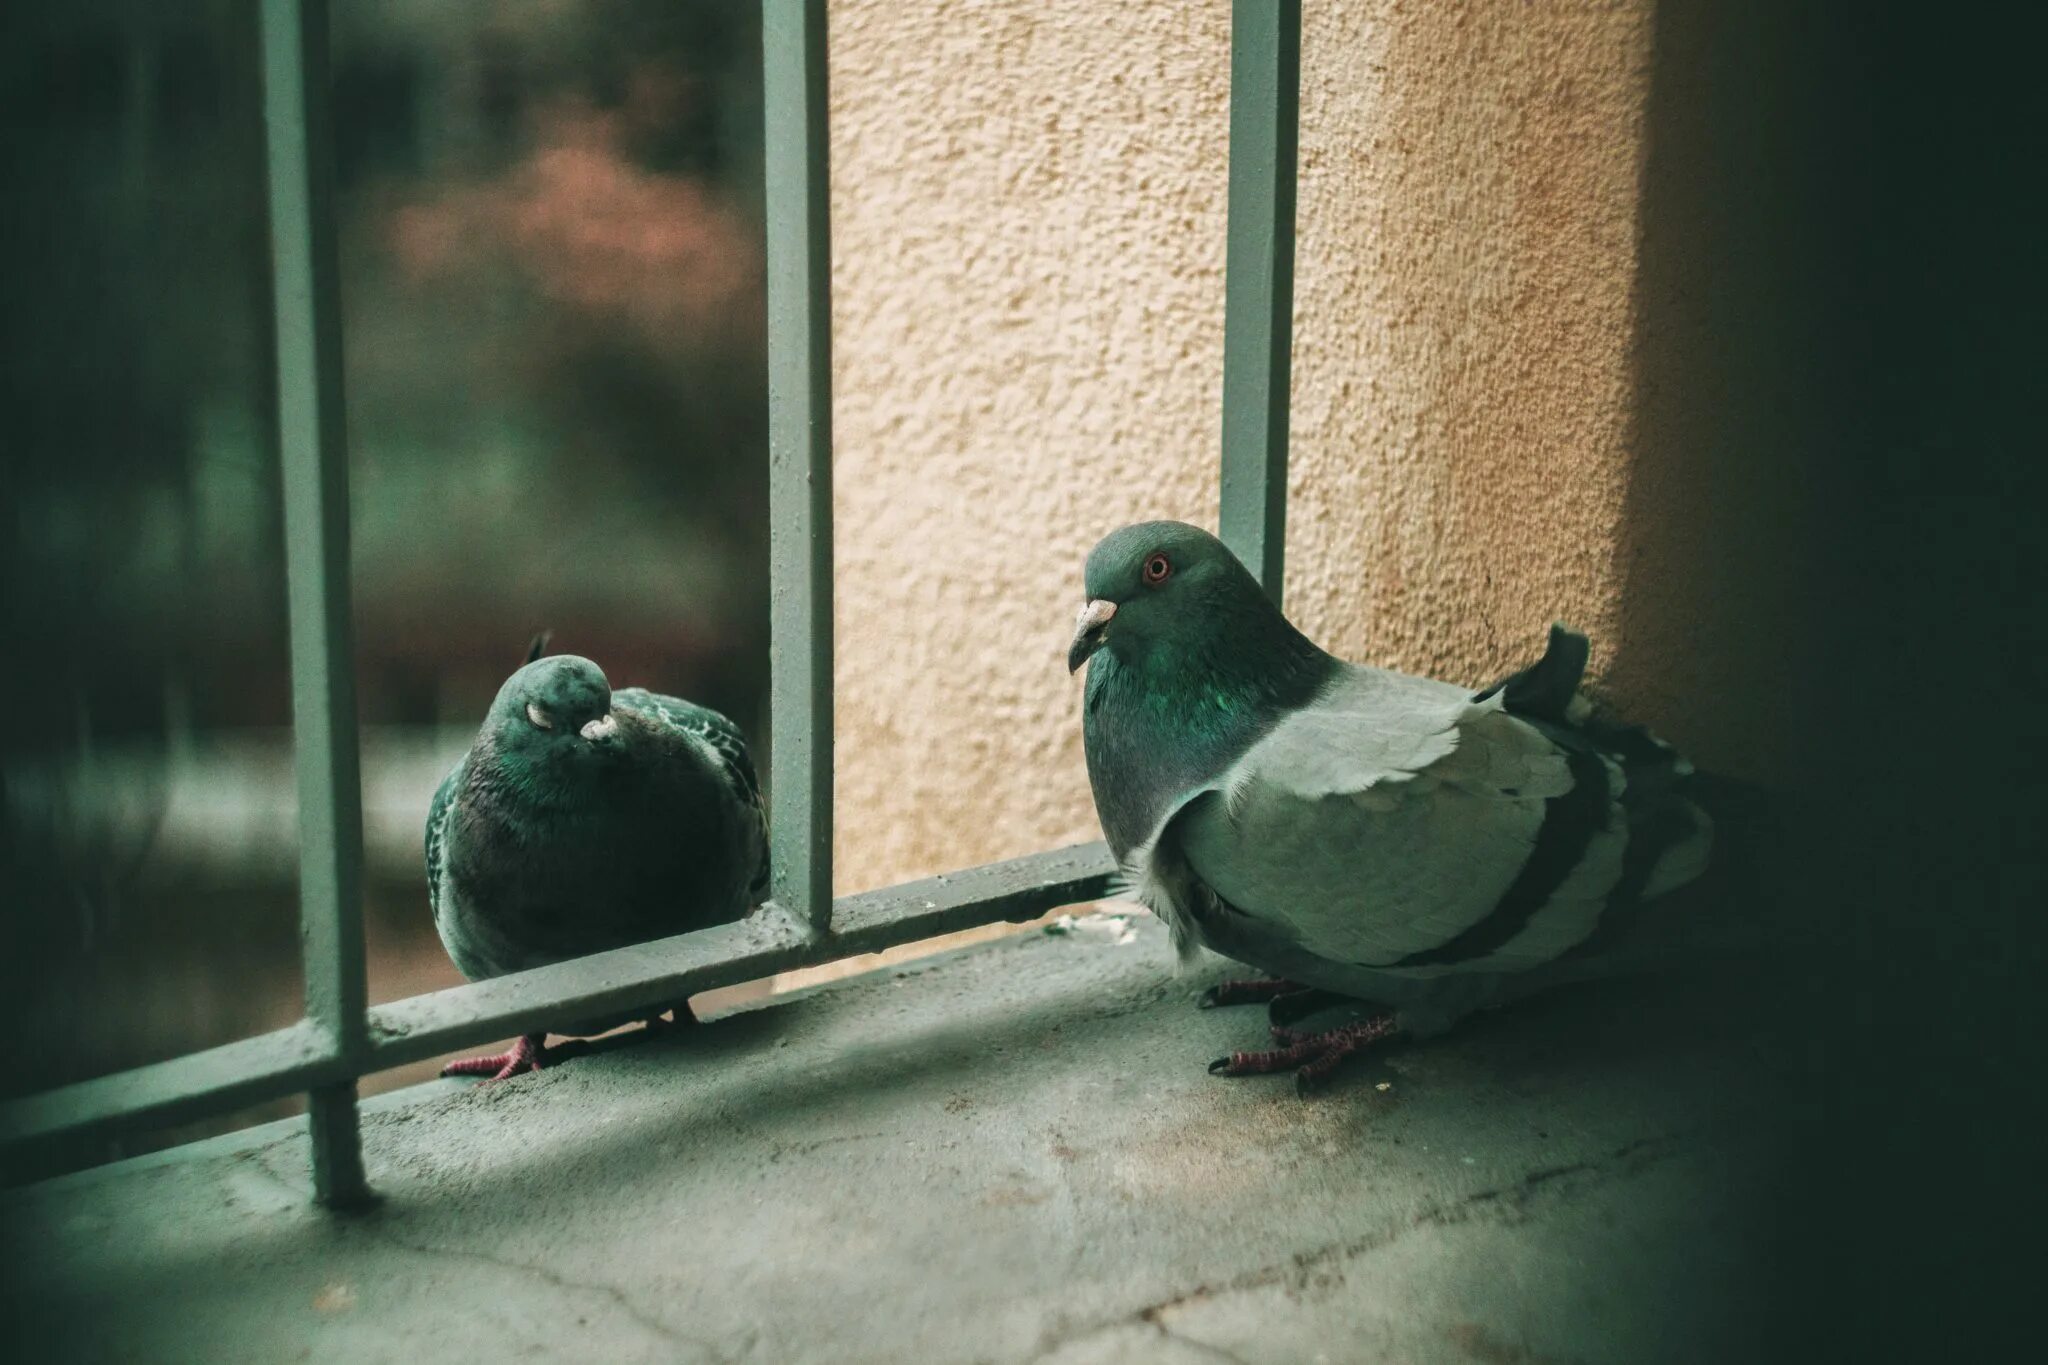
pixel 555 715
pixel 1154 580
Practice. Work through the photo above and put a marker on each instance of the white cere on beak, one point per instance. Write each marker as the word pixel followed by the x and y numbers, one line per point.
pixel 604 727
pixel 1093 614
pixel 539 717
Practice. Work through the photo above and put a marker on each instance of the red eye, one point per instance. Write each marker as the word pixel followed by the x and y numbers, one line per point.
pixel 1158 568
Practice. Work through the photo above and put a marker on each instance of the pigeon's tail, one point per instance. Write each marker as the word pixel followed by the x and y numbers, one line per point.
pixel 1549 688
pixel 1684 857
pixel 539 645
pixel 1670 835
pixel 1752 828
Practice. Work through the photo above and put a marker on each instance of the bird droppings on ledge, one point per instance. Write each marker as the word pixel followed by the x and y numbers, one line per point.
pixel 754 1190
pixel 1109 926
pixel 335 1298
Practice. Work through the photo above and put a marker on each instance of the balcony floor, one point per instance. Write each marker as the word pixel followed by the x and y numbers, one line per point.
pixel 1012 1152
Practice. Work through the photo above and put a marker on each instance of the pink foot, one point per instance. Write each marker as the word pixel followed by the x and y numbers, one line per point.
pixel 528 1054
pixel 1310 1056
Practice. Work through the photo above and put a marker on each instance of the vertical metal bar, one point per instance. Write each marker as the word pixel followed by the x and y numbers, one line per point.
pixel 799 455
pixel 1258 289
pixel 313 443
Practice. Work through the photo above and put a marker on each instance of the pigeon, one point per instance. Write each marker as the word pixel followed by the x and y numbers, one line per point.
pixel 1360 834
pixel 584 819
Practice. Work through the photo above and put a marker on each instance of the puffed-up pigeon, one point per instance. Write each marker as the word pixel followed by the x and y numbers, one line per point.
pixel 1353 831
pixel 584 819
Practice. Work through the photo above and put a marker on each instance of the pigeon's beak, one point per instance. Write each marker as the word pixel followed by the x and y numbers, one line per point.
pixel 1090 629
pixel 601 729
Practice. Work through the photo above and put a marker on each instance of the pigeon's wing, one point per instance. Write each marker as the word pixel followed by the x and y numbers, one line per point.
pixel 711 726
pixel 725 740
pixel 1399 824
pixel 439 816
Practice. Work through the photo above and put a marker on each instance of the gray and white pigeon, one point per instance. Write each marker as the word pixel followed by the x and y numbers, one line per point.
pixel 1353 831
pixel 584 819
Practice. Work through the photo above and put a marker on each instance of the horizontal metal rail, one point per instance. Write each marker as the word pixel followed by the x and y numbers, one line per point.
pixel 181 1090
pixel 645 976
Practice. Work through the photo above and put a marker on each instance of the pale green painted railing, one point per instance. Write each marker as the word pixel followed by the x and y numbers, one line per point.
pixel 341 1038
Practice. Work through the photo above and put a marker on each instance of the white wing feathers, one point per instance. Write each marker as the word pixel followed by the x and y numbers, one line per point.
pixel 1387 819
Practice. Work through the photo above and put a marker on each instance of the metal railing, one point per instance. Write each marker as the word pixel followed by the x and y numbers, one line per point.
pixel 341 1037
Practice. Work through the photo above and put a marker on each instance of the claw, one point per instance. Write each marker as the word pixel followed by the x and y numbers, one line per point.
pixel 1311 1056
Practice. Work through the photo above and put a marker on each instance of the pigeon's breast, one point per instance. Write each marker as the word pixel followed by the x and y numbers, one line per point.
pixel 1147 750
pixel 551 887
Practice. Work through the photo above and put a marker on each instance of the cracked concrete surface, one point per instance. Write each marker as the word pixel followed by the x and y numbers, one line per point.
pixel 1011 1153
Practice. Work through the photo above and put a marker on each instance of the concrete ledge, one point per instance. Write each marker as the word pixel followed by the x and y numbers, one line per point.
pixel 1010 1153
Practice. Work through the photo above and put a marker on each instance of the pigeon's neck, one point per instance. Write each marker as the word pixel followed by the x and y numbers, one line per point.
pixel 1160 725
pixel 522 795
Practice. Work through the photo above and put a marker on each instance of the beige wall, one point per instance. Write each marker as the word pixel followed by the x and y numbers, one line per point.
pixel 1028 219
pixel 1028 331
pixel 1465 261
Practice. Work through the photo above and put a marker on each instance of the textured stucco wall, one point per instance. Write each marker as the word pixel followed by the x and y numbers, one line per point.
pixel 1462 336
pixel 1028 219
pixel 1028 213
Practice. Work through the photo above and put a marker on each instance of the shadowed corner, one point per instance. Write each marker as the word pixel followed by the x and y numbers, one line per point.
pixel 1815 552
pixel 1726 544
pixel 1723 553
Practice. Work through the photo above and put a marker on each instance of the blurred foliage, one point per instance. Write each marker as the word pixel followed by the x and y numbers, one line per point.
pixel 550 226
